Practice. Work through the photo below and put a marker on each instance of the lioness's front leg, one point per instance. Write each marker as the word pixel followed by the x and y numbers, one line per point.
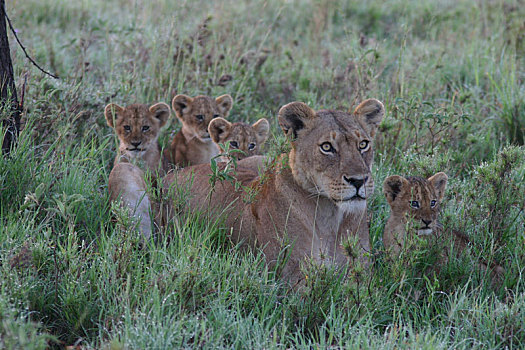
pixel 353 240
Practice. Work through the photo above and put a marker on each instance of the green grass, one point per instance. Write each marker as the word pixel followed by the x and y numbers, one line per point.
pixel 451 75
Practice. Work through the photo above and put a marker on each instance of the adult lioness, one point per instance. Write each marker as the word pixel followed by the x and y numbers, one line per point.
pixel 137 127
pixel 310 204
pixel 247 139
pixel 192 144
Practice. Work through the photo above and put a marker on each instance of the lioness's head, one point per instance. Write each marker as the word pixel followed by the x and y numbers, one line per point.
pixel 332 151
pixel 416 198
pixel 196 113
pixel 241 136
pixel 137 126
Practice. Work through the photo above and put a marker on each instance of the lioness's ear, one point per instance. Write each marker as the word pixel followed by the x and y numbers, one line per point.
pixel 218 129
pixel 225 103
pixel 370 113
pixel 261 127
pixel 180 103
pixel 293 116
pixel 161 111
pixel 111 112
pixel 394 186
pixel 439 181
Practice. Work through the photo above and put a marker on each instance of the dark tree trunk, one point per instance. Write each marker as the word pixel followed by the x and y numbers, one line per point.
pixel 9 108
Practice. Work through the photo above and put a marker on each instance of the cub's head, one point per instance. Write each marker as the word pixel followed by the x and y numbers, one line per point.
pixel 196 113
pixel 137 126
pixel 417 199
pixel 244 137
pixel 332 151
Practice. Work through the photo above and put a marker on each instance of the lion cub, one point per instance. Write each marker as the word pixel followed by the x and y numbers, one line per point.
pixel 244 137
pixel 193 144
pixel 415 204
pixel 137 127
pixel 415 199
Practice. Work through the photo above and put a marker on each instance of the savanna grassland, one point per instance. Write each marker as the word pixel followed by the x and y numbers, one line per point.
pixel 451 75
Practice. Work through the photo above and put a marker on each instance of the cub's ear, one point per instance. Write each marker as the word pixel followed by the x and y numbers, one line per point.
pixel 261 127
pixel 393 187
pixel 180 103
pixel 439 181
pixel 111 112
pixel 369 113
pixel 218 129
pixel 293 116
pixel 225 103
pixel 161 111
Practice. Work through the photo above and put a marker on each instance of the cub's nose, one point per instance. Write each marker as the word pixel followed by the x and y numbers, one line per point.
pixel 357 183
pixel 426 222
pixel 136 143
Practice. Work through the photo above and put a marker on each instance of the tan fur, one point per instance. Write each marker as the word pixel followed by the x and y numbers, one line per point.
pixel 400 193
pixel 246 138
pixel 137 127
pixel 406 220
pixel 126 183
pixel 310 205
pixel 193 144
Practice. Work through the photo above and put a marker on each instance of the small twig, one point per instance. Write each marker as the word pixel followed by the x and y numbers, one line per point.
pixel 23 48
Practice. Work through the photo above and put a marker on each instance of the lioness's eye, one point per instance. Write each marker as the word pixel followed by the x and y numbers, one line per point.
pixel 199 117
pixel 145 128
pixel 251 146
pixel 127 127
pixel 326 147
pixel 363 145
pixel 215 116
pixel 234 144
pixel 433 203
pixel 414 204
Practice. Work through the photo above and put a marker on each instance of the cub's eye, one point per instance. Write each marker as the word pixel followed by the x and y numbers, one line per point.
pixel 433 203
pixel 199 117
pixel 251 146
pixel 127 127
pixel 414 204
pixel 326 147
pixel 145 128
pixel 215 116
pixel 234 144
pixel 363 145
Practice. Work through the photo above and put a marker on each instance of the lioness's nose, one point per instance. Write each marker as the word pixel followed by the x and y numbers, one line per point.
pixel 357 183
pixel 136 143
pixel 426 222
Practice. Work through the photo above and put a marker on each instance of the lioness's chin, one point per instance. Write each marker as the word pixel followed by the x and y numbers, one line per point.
pixel 352 205
pixel 424 232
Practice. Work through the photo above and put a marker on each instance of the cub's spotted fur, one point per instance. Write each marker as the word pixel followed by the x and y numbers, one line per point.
pixel 193 144
pixel 246 138
pixel 137 127
pixel 415 203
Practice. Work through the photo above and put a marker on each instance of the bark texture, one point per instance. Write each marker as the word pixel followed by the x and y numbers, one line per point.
pixel 9 108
